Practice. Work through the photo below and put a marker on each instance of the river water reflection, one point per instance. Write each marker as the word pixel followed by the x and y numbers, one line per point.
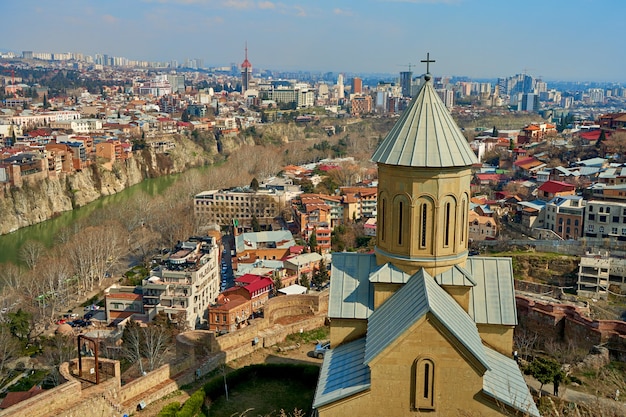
pixel 45 232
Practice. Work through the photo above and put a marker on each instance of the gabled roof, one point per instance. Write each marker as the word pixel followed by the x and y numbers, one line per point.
pixel 556 187
pixel 457 275
pixel 419 296
pixel 425 136
pixel 350 294
pixel 389 273
pixel 504 382
pixel 492 299
pixel 343 373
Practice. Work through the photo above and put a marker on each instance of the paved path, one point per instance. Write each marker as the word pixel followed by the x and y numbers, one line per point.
pixel 574 396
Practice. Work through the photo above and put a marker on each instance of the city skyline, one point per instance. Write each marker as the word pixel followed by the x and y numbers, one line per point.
pixel 478 39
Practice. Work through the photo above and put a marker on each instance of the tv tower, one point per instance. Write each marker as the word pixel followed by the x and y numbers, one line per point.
pixel 246 73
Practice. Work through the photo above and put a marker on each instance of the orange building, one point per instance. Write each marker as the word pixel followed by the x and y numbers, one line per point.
pixel 229 313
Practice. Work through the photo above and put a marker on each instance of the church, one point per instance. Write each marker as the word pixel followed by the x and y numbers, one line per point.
pixel 418 327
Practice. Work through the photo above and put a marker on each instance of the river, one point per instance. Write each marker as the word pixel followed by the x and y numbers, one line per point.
pixel 45 232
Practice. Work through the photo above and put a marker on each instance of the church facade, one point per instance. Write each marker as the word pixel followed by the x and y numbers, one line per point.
pixel 418 328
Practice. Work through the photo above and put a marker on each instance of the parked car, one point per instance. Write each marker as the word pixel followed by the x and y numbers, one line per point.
pixel 321 349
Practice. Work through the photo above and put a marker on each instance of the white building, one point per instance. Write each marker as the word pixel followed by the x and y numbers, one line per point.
pixel 185 283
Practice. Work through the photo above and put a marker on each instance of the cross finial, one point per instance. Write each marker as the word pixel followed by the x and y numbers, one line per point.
pixel 428 61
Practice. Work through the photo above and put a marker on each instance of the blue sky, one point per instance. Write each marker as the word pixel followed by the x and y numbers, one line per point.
pixel 555 39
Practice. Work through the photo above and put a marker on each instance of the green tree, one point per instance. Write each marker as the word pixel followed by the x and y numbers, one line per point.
pixel 313 241
pixel 304 280
pixel 254 184
pixel 46 104
pixel 185 116
pixel 495 132
pixel 321 274
pixel 19 324
pixel 601 138
pixel 256 226
pixel 544 370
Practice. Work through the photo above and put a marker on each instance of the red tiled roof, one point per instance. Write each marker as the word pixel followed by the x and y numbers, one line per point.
pixel 124 296
pixel 556 187
pixel 13 398
pixel 488 177
pixel 257 285
pixel 248 278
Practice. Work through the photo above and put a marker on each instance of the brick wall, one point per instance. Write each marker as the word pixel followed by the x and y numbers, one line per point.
pixel 569 323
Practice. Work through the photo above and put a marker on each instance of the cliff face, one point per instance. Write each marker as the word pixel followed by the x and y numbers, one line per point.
pixel 39 201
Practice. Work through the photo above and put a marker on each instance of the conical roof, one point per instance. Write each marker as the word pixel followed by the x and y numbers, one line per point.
pixel 425 136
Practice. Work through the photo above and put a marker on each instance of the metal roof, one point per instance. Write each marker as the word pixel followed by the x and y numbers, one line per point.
pixel 425 136
pixel 250 240
pixel 343 373
pixel 505 383
pixel 457 275
pixel 419 296
pixel 350 293
pixel 388 273
pixel 492 300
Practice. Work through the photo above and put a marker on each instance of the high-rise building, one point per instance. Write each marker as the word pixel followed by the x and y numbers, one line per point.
pixel 405 83
pixel 246 73
pixel 340 88
pixel 357 85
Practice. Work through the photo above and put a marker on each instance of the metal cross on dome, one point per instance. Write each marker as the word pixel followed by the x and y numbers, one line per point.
pixel 427 61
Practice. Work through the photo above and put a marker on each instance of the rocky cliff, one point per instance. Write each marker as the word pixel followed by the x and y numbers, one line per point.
pixel 38 201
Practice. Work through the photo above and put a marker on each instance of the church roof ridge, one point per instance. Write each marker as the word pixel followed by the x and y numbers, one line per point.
pixel 420 295
pixel 425 136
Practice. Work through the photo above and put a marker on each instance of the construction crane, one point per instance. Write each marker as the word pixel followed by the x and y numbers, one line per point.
pixel 408 65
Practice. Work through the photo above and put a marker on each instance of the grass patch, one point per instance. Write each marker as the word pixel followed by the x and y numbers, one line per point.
pixel 321 333
pixel 264 397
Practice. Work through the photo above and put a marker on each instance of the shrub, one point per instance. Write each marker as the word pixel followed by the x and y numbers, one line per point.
pixel 170 410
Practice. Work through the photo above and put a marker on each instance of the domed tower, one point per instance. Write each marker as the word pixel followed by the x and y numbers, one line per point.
pixel 424 173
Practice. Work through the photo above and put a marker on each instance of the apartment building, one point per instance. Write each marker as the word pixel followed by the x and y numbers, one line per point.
pixel 185 281
pixel 482 227
pixel 593 275
pixel 229 313
pixel 605 219
pixel 565 215
pixel 224 206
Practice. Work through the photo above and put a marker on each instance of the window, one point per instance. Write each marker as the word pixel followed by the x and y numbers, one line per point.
pixel 603 219
pixel 615 219
pixel 423 384
pixel 601 229
pixel 400 212
pixel 591 210
pixel 576 222
pixel 382 220
pixel 446 237
pixel 424 225
pixel 614 230
pixel 590 228
pixel 592 216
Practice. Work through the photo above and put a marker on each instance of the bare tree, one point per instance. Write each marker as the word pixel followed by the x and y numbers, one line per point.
pixel 9 347
pixel 525 340
pixel 156 343
pixel 30 252
pixel 57 350
pixel 10 276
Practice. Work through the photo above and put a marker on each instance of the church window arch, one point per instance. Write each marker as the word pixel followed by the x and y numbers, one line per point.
pixel 449 221
pixel 401 222
pixel 425 222
pixel 383 218
pixel 423 381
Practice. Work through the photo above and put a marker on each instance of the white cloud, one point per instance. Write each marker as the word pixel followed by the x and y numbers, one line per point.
pixel 266 5
pixel 342 12
pixel 111 20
